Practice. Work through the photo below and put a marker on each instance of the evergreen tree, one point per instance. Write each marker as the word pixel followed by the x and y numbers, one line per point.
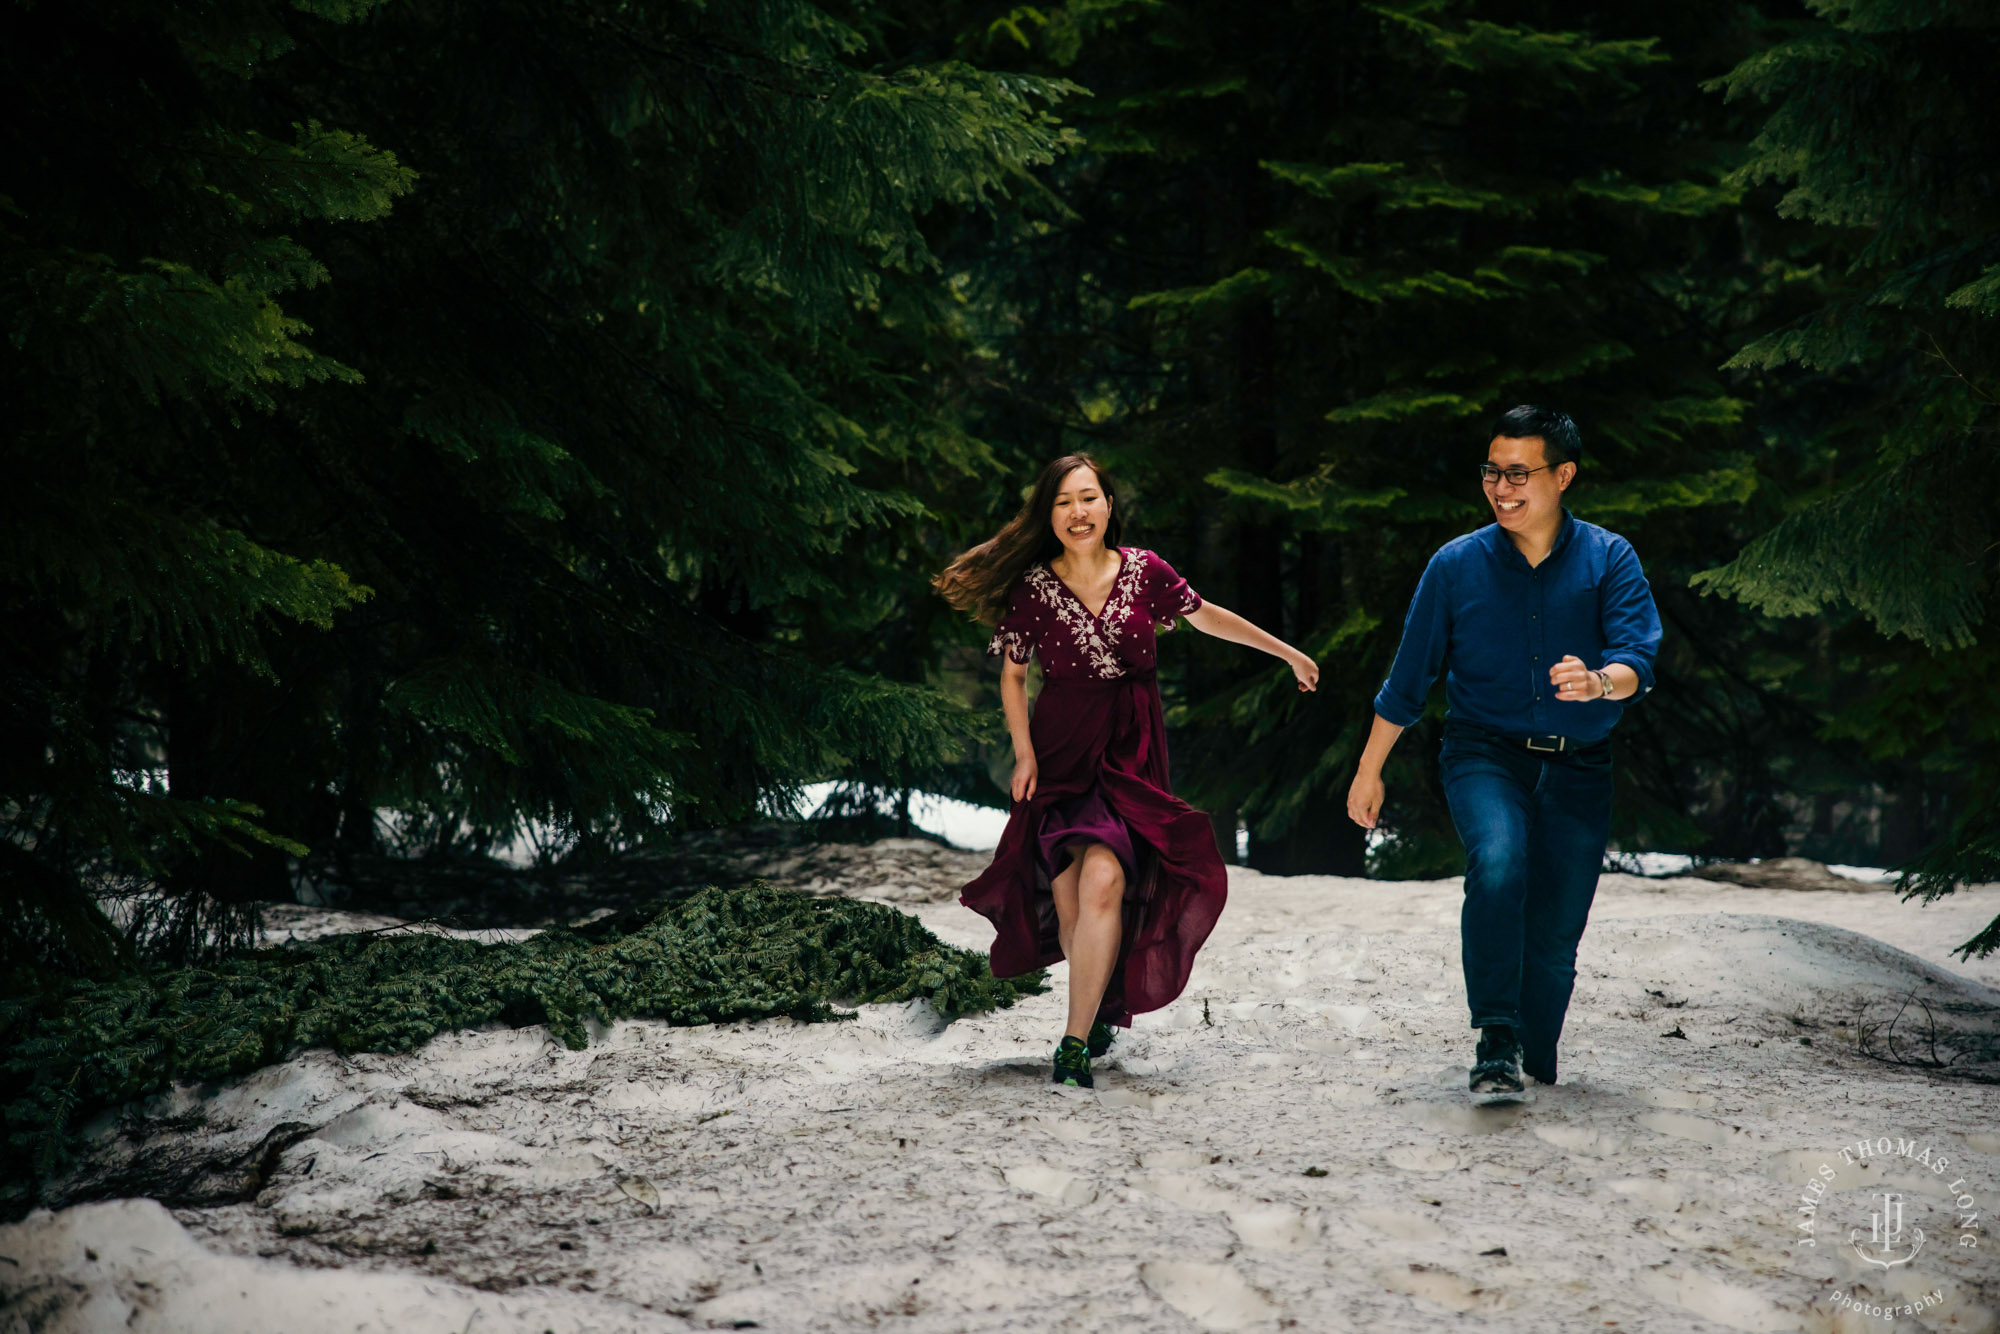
pixel 1315 248
pixel 1872 129
pixel 463 409
pixel 148 240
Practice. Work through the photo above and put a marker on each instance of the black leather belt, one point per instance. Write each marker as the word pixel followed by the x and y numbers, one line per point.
pixel 1559 745
pixel 1545 744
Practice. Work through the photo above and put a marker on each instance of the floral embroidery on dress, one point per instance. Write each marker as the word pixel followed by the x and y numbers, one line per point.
pixel 1096 635
pixel 1123 590
pixel 1046 620
pixel 1017 646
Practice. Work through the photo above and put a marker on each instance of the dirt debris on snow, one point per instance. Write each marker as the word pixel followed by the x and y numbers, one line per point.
pixel 1789 873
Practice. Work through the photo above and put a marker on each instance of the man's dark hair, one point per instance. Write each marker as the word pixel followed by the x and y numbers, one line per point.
pixel 1560 441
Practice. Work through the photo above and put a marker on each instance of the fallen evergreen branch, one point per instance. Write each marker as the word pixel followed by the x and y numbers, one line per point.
pixel 716 956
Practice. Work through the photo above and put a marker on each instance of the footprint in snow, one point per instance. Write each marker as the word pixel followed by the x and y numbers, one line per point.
pixel 1460 1119
pixel 1051 1183
pixel 1582 1139
pixel 1700 1129
pixel 1424 1158
pixel 1215 1297
pixel 1441 1287
pixel 1259 1223
pixel 1713 1299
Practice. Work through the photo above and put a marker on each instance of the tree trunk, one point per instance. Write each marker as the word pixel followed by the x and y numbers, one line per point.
pixel 1904 832
pixel 211 739
pixel 1224 822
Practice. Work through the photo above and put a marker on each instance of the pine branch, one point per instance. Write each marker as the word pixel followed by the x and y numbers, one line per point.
pixel 718 956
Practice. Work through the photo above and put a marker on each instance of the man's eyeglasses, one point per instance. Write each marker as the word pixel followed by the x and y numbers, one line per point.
pixel 1517 476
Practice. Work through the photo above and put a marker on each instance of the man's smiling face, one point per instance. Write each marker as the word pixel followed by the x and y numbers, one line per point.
pixel 1530 504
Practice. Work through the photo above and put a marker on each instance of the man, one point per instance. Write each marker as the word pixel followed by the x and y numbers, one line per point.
pixel 1543 625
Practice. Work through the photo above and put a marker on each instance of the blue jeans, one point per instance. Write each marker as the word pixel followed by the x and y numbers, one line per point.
pixel 1534 825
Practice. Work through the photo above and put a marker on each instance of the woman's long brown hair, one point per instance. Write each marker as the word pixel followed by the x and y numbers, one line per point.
pixel 980 579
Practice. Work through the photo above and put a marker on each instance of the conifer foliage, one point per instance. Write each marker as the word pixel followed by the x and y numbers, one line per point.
pixel 1877 127
pixel 453 408
pixel 1316 249
pixel 718 956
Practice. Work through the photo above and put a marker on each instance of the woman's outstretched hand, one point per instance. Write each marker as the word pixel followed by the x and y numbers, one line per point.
pixel 1025 774
pixel 1306 670
pixel 1225 624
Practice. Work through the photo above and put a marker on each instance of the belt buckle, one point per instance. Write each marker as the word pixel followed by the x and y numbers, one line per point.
pixel 1529 742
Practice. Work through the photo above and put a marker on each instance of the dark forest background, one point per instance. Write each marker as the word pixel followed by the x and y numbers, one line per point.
pixel 428 421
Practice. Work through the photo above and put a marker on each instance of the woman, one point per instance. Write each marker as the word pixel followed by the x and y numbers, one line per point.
pixel 1100 863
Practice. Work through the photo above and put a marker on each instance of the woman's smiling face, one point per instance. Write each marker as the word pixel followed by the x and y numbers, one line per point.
pixel 1080 513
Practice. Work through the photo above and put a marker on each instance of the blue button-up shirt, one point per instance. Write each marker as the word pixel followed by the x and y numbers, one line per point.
pixel 1496 625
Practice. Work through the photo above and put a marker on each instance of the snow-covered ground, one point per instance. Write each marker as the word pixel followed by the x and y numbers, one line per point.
pixel 1287 1146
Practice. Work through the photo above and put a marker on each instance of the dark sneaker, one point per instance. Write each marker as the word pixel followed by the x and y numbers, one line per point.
pixel 1073 1064
pixel 1496 1070
pixel 1101 1037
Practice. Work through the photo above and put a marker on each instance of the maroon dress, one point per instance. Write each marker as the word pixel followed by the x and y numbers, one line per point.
pixel 1101 754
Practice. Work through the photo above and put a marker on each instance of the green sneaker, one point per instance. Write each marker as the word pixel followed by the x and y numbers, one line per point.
pixel 1101 1037
pixel 1073 1064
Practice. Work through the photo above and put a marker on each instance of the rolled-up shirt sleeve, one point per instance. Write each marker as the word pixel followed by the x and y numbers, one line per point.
pixel 1426 634
pixel 1631 620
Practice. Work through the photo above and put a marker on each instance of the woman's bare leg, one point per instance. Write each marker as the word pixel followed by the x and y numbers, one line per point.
pixel 1063 887
pixel 1092 944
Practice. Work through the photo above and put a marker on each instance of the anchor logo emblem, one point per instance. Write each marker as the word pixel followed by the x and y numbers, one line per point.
pixel 1885 1233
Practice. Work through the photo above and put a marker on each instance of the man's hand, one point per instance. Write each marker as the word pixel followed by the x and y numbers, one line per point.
pixel 1025 774
pixel 1364 799
pixel 1575 682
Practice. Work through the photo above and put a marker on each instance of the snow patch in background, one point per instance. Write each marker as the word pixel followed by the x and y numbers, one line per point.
pixel 959 823
pixel 1648 863
pixel 978 829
